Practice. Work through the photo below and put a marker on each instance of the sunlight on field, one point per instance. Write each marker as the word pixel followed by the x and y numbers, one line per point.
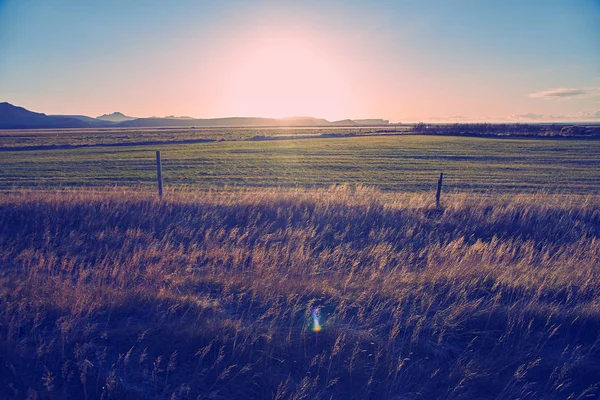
pixel 398 163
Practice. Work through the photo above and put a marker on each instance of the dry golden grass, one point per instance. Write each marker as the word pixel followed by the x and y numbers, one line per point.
pixel 112 294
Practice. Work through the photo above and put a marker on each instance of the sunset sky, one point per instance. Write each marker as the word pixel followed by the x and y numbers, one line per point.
pixel 400 60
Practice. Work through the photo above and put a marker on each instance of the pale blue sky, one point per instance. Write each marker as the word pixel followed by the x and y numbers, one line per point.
pixel 401 60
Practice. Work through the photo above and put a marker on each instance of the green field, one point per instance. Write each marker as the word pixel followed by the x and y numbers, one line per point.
pixel 31 138
pixel 400 163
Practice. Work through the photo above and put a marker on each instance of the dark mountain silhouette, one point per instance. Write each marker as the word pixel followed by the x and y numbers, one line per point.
pixel 344 122
pixel 13 117
pixel 231 121
pixel 89 120
pixel 361 122
pixel 304 121
pixel 234 121
pixel 174 117
pixel 115 117
pixel 371 121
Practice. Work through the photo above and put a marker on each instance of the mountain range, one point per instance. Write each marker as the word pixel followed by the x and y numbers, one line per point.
pixel 15 117
pixel 115 117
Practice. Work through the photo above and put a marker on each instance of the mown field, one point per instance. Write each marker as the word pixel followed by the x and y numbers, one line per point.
pixel 63 138
pixel 53 138
pixel 398 163
pixel 209 295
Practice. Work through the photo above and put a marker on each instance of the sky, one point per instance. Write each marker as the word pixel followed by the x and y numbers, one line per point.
pixel 406 61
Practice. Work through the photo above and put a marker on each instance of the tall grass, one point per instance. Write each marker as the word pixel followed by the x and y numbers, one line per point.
pixel 112 294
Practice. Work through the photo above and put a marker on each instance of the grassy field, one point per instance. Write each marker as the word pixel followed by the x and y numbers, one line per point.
pixel 209 295
pixel 399 163
pixel 22 139
pixel 57 138
pixel 108 292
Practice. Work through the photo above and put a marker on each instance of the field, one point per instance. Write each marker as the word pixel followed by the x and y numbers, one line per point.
pixel 107 291
pixel 399 163
pixel 210 294
pixel 73 138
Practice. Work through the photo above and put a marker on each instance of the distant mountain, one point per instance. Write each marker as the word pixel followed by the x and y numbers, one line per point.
pixel 13 117
pixel 361 122
pixel 223 122
pixel 226 122
pixel 372 121
pixel 89 120
pixel 115 117
pixel 245 121
pixel 303 121
pixel 344 122
pixel 174 117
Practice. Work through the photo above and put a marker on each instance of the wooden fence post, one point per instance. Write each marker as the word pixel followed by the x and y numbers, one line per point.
pixel 159 174
pixel 439 190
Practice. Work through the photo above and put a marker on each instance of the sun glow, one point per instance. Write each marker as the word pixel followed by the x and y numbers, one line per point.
pixel 282 76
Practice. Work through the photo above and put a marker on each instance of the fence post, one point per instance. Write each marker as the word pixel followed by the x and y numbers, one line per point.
pixel 159 174
pixel 439 190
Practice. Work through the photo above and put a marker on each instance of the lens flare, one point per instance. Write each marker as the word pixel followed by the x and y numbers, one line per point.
pixel 316 326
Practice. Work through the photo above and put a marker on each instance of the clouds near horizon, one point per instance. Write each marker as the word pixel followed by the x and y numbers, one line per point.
pixel 563 93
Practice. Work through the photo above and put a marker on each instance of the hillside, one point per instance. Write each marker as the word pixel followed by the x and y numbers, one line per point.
pixel 90 120
pixel 214 122
pixel 13 117
pixel 115 117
